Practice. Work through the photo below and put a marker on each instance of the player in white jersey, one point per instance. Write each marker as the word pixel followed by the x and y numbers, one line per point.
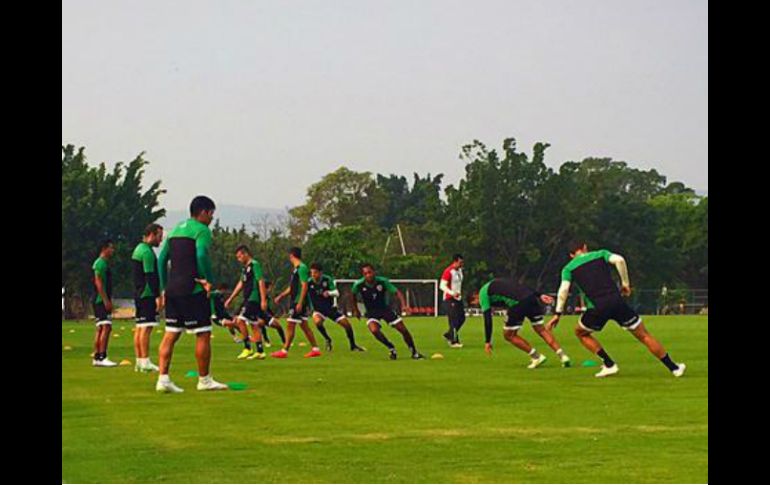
pixel 451 286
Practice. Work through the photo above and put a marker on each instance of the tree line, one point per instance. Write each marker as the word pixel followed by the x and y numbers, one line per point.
pixel 509 215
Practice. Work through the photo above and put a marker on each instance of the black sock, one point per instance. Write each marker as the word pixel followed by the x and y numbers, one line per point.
pixel 382 338
pixel 281 334
pixel 669 363
pixel 608 362
pixel 351 338
pixel 260 349
pixel 322 329
pixel 265 338
pixel 246 343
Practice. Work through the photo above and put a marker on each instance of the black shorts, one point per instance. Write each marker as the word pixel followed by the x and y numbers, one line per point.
pixel 189 312
pixel 332 313
pixel 146 312
pixel 529 308
pixel 455 313
pixel 387 314
pixel 297 316
pixel 102 316
pixel 218 318
pixel 594 319
pixel 251 312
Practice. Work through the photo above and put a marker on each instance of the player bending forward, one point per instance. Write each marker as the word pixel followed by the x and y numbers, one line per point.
pixel 322 291
pixel 590 271
pixel 521 302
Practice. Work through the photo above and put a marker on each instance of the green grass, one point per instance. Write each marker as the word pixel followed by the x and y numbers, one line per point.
pixel 350 418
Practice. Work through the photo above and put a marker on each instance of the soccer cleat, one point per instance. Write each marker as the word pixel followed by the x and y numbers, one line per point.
pixel 105 362
pixel 280 354
pixel 679 372
pixel 418 356
pixel 257 355
pixel 456 345
pixel 245 354
pixel 168 387
pixel 608 371
pixel 268 344
pixel 393 354
pixel 209 384
pixel 313 353
pixel 94 362
pixel 329 345
pixel 565 361
pixel 357 348
pixel 537 362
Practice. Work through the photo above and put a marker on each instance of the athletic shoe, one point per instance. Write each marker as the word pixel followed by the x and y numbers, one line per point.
pixel 313 353
pixel 268 344
pixel 94 362
pixel 537 362
pixel 456 345
pixel 280 354
pixel 105 363
pixel 608 371
pixel 257 355
pixel 245 353
pixel 418 356
pixel 565 361
pixel 209 384
pixel 393 354
pixel 357 348
pixel 328 345
pixel 679 372
pixel 168 386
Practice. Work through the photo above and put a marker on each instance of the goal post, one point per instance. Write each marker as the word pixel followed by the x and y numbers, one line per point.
pixel 422 296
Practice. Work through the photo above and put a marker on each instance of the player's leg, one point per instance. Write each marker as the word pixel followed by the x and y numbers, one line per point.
pixel 291 326
pixel 314 351
pixel 165 353
pixel 318 320
pixel 200 313
pixel 104 341
pixel 343 322
pixel 241 323
pixel 376 330
pixel 593 321
pixel 550 339
pixel 511 334
pixel 398 324
pixel 276 324
pixel 256 338
pixel 656 348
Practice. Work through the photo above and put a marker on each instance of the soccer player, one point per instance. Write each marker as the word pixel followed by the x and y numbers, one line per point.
pixel 219 314
pixel 451 285
pixel 297 290
pixel 146 295
pixel 185 287
pixel 322 291
pixel 272 322
pixel 254 306
pixel 520 302
pixel 103 304
pixel 590 271
pixel 374 291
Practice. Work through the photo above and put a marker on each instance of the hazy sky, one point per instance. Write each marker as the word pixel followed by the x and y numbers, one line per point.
pixel 252 101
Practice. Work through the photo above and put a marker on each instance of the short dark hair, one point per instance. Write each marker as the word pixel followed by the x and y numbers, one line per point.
pixel 152 229
pixel 201 203
pixel 457 257
pixel 244 248
pixel 268 283
pixel 366 265
pixel 576 244
pixel 316 266
pixel 296 252
pixel 105 243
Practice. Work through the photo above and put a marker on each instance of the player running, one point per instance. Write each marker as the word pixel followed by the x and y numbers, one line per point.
pixel 521 302
pixel 451 285
pixel 297 290
pixel 146 295
pixel 185 287
pixel 374 291
pixel 322 291
pixel 254 306
pixel 590 270
pixel 103 304
pixel 272 322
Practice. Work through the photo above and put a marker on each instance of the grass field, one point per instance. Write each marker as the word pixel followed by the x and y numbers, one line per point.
pixel 362 418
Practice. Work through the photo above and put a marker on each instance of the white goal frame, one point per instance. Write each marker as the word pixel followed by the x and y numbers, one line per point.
pixel 406 294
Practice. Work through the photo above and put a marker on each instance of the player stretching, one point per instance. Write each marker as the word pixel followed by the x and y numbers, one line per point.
pixel 185 287
pixel 272 322
pixel 451 286
pixel 103 304
pixel 221 317
pixel 297 289
pixel 374 292
pixel 254 302
pixel 521 302
pixel 590 270
pixel 146 295
pixel 322 291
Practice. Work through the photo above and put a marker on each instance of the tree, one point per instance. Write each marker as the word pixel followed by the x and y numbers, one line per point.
pixel 96 205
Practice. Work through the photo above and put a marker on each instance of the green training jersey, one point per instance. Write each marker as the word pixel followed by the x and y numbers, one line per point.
pixel 145 263
pixel 590 273
pixel 251 275
pixel 503 292
pixel 187 249
pixel 316 290
pixel 101 268
pixel 376 296
pixel 300 275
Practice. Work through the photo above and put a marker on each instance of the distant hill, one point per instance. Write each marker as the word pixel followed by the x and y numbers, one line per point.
pixel 232 216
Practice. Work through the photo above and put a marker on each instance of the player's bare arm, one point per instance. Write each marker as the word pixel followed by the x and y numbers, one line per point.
pixel 103 294
pixel 236 292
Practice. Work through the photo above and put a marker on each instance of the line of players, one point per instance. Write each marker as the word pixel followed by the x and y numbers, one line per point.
pixel 192 303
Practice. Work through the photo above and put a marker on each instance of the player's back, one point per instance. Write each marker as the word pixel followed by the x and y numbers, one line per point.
pixel 144 281
pixel 183 242
pixel 592 274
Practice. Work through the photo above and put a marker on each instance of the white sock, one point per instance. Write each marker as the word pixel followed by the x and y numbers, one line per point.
pixel 560 352
pixel 164 378
pixel 316 349
pixel 533 353
pixel 204 378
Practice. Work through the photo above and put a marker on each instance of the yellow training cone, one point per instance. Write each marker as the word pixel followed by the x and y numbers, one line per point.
pixel 67 347
pixel 437 356
pixel 302 344
pixel 125 362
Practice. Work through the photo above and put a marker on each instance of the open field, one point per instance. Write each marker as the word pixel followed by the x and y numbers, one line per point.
pixel 362 418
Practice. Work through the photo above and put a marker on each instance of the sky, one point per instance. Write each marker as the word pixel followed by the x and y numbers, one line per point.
pixel 250 102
